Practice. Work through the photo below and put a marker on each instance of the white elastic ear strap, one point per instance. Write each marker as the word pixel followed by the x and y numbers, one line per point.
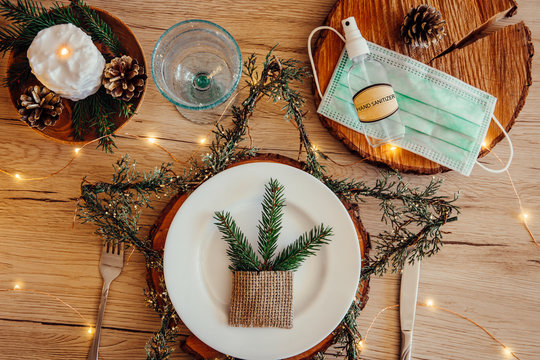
pixel 511 151
pixel 311 56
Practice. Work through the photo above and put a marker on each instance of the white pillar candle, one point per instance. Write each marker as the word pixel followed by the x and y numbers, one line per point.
pixel 64 59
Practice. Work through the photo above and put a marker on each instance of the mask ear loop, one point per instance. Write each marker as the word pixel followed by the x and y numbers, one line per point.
pixel 315 77
pixel 496 171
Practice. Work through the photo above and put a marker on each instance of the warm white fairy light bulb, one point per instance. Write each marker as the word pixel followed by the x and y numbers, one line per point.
pixel 507 350
pixel 429 303
pixel 17 287
pixel 90 330
pixel 77 150
pixel 17 176
pixel 393 148
pixel 151 140
pixel 202 141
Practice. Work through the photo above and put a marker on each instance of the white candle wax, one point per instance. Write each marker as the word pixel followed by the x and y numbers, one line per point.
pixel 64 59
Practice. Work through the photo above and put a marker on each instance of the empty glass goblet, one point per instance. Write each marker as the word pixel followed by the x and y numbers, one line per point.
pixel 197 65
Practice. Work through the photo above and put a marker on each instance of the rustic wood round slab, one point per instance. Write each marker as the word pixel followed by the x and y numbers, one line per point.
pixel 62 131
pixel 499 63
pixel 158 234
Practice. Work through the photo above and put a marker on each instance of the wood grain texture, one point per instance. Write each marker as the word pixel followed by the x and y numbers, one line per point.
pixel 62 131
pixel 159 231
pixel 485 64
pixel 488 269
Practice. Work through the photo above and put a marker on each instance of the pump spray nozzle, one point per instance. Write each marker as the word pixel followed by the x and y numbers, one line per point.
pixel 355 44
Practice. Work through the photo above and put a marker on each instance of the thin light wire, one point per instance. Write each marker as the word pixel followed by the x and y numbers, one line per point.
pixel 51 296
pixel 523 219
pixel 505 348
pixel 19 177
pixel 138 137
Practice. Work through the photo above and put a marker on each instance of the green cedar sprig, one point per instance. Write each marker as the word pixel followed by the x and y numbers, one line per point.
pixel 240 252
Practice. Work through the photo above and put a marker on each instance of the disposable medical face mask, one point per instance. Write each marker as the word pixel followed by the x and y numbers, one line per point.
pixel 446 120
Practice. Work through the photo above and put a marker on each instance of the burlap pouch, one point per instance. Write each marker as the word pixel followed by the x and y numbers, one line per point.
pixel 262 299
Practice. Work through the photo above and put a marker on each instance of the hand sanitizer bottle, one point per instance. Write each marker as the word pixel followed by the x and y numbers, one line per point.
pixel 373 96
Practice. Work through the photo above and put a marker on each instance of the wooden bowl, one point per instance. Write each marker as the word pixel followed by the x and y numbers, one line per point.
pixel 62 131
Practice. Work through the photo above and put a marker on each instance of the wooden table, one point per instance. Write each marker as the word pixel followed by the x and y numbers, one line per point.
pixel 488 269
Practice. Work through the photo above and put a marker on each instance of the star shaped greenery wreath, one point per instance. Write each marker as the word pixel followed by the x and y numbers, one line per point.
pixel 413 217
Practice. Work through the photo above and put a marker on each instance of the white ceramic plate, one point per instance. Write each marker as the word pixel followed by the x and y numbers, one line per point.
pixel 196 264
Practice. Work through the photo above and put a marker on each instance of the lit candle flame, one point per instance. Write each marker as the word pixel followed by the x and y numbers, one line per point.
pixel 63 52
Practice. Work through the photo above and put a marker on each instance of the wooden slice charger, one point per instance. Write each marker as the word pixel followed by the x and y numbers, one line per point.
pixel 158 234
pixel 62 131
pixel 499 63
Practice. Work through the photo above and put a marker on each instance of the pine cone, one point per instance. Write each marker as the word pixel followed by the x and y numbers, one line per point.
pixel 124 78
pixel 422 26
pixel 40 107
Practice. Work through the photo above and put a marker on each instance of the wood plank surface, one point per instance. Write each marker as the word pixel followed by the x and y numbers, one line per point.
pixel 488 268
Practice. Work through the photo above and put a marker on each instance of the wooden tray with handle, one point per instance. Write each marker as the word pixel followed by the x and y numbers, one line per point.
pixel 498 63
pixel 158 234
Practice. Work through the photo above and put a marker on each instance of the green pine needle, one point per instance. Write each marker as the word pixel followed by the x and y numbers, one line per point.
pixel 27 18
pixel 240 252
pixel 306 245
pixel 271 220
pixel 99 29
pixel 98 111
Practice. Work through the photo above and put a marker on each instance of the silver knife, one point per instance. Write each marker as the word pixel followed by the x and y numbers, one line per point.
pixel 407 306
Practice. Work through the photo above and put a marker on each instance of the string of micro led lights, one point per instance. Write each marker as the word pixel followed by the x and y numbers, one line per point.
pixel 202 142
pixel 430 304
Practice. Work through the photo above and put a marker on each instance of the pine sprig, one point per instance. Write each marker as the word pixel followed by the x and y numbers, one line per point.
pixel 97 112
pixel 271 221
pixel 240 252
pixel 99 29
pixel 27 18
pixel 306 245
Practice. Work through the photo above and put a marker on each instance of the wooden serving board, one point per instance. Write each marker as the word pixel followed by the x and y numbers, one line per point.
pixel 158 234
pixel 62 131
pixel 499 63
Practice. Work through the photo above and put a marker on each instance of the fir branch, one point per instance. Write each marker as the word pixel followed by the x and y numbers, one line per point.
pixel 27 18
pixel 98 111
pixel 115 207
pixel 306 245
pixel 240 252
pixel 98 29
pixel 271 221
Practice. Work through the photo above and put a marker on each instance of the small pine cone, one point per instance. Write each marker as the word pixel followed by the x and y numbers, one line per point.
pixel 124 78
pixel 40 107
pixel 422 26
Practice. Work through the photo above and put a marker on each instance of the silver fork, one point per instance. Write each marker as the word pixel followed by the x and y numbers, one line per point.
pixel 110 266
